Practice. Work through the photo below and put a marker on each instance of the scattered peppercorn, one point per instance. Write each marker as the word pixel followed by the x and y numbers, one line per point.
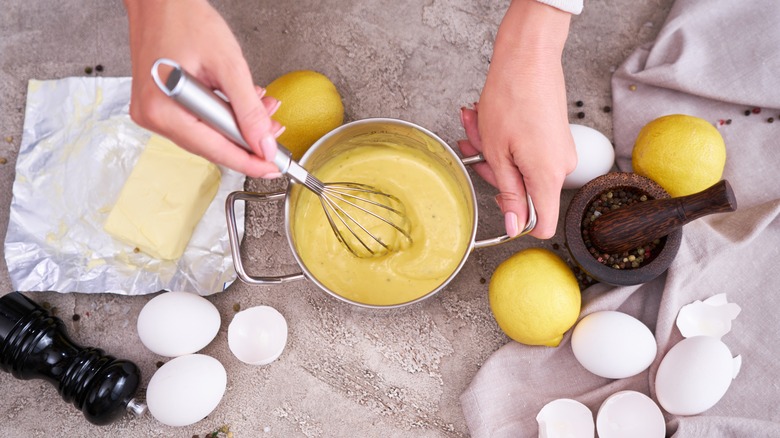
pixel 556 246
pixel 747 112
pixel 88 70
pixel 46 305
pixel 159 363
pixel 3 160
pixel 632 87
pixel 482 280
pixel 580 115
pixel 770 120
pixel 136 250
pixel 756 110
pixel 236 307
pixel 728 121
pixel 76 317
pixel 607 109
pixel 579 103
pixel 99 67
pixel 9 139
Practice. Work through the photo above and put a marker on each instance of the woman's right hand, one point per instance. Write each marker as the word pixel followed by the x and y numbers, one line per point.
pixel 194 35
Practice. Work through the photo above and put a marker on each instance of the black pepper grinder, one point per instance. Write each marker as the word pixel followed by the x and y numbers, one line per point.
pixel 34 345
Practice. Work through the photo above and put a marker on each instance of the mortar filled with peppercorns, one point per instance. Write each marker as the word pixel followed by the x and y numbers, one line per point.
pixel 607 193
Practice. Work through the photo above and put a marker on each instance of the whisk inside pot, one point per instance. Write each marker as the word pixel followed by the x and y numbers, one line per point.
pixel 367 221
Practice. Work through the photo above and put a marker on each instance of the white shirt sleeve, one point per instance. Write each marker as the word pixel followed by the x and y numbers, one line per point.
pixel 571 6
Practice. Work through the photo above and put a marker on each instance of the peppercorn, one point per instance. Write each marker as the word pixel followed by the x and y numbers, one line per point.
pixel 580 115
pixel 236 307
pixel 99 68
pixel 770 120
pixel 159 363
pixel 747 112
pixel 580 103
pixel 482 280
pixel 608 201
pixel 607 109
pixel 88 70
pixel 756 110
pixel 76 317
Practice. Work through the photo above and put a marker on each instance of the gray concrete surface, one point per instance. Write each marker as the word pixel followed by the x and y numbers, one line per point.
pixel 345 371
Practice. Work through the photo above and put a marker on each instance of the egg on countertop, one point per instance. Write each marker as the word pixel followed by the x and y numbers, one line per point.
pixel 694 375
pixel 186 389
pixel 595 156
pixel 177 323
pixel 630 414
pixel 613 344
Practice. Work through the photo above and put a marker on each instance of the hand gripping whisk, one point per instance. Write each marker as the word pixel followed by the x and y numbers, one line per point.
pixel 365 220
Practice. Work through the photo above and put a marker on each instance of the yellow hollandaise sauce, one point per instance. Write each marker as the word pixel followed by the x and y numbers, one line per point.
pixel 440 224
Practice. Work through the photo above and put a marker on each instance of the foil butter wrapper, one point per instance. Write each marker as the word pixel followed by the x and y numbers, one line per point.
pixel 78 147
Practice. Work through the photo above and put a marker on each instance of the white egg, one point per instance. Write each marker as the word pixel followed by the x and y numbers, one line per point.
pixel 613 345
pixel 694 375
pixel 595 156
pixel 257 335
pixel 630 414
pixel 177 323
pixel 186 389
pixel 565 418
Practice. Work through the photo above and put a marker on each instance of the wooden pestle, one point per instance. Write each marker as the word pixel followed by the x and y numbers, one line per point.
pixel 635 225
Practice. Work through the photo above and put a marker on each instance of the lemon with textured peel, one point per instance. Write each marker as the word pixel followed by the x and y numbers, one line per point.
pixel 311 107
pixel 535 297
pixel 683 154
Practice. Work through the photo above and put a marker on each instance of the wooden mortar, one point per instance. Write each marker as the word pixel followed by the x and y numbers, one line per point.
pixel 666 250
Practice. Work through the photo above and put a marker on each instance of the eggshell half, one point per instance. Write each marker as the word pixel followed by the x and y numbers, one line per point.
pixel 565 418
pixel 630 414
pixel 257 335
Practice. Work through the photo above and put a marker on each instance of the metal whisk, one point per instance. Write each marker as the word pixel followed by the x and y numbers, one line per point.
pixel 367 221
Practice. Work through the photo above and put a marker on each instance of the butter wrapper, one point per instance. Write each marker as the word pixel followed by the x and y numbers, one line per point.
pixel 78 147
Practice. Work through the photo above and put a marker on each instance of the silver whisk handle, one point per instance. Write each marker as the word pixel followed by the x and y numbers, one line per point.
pixel 208 106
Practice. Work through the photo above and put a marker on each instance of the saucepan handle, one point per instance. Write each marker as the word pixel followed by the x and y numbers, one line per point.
pixel 529 226
pixel 235 244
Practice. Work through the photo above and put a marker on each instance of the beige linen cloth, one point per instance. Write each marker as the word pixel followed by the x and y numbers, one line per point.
pixel 713 59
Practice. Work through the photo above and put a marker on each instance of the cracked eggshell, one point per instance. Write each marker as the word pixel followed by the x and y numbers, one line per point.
pixel 694 375
pixel 177 323
pixel 258 335
pixel 630 414
pixel 595 156
pixel 711 317
pixel 613 344
pixel 565 418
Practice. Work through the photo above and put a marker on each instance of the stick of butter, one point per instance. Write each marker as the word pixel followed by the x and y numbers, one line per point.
pixel 164 198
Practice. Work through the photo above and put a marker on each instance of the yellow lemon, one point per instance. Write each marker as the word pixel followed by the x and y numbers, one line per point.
pixel 535 297
pixel 311 107
pixel 683 154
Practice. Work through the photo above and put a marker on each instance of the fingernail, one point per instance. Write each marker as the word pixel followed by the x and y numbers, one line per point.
pixel 268 146
pixel 272 175
pixel 462 116
pixel 510 222
pixel 260 92
pixel 279 131
pixel 274 108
